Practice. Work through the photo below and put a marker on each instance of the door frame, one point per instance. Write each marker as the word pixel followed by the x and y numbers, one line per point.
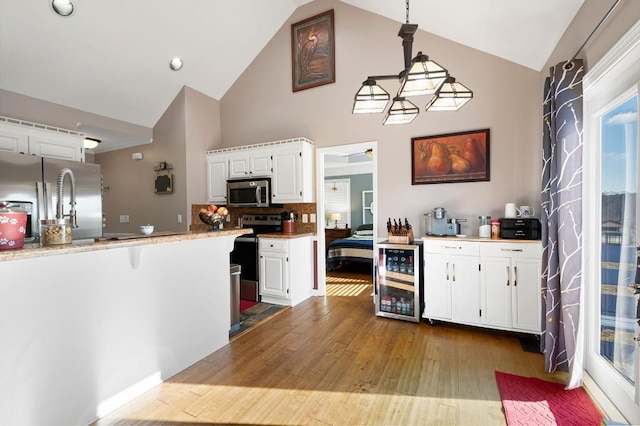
pixel 615 74
pixel 321 153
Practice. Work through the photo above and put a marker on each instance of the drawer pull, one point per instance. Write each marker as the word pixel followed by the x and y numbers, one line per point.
pixel 451 247
pixel 504 249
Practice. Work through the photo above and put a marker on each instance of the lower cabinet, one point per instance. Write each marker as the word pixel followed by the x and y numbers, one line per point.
pixel 452 281
pixel 493 284
pixel 511 286
pixel 285 270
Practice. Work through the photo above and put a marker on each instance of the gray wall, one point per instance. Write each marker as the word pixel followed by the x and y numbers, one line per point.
pixel 187 129
pixel 359 183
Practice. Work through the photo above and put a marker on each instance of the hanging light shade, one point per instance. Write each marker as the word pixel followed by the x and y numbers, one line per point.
pixel 401 111
pixel 420 76
pixel 371 98
pixel 451 96
pixel 423 78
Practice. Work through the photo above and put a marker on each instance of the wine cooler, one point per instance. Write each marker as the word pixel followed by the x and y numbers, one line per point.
pixel 399 281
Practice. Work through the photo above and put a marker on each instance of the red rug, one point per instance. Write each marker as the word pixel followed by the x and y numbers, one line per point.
pixel 246 304
pixel 531 401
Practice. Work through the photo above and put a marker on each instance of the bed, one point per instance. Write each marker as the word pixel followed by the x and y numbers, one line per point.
pixel 356 248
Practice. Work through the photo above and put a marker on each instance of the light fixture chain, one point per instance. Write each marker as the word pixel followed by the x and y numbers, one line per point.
pixel 407 11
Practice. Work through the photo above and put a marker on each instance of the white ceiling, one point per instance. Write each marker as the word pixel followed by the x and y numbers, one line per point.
pixel 110 57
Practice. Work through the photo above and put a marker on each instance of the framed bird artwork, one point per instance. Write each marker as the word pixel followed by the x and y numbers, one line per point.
pixel 313 52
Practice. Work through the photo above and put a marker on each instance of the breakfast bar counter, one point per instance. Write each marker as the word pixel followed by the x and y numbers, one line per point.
pixel 88 327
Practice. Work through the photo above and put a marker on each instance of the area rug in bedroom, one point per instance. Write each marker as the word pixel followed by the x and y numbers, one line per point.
pixel 533 401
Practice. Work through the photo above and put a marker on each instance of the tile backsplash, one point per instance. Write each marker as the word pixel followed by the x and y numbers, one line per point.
pixel 237 212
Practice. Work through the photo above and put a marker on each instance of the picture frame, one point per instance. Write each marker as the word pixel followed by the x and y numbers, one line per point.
pixel 451 157
pixel 163 184
pixel 313 52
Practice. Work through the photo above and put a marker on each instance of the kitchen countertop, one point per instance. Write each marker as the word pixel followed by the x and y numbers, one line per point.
pixel 35 250
pixel 476 238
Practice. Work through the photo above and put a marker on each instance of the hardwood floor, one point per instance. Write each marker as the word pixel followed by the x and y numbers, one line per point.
pixel 332 361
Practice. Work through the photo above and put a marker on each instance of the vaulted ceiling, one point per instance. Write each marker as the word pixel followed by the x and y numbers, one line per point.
pixel 111 57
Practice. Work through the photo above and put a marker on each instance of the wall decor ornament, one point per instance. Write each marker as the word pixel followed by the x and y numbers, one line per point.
pixel 313 52
pixel 164 178
pixel 452 157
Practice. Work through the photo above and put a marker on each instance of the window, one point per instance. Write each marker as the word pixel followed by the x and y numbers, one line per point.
pixel 337 195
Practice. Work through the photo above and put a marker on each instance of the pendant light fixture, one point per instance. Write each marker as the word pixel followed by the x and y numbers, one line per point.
pixel 420 76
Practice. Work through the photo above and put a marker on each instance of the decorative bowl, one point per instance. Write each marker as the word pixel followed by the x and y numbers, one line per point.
pixel 146 229
pixel 214 220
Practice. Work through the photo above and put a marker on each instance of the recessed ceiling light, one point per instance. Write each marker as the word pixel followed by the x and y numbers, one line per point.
pixel 62 7
pixel 175 64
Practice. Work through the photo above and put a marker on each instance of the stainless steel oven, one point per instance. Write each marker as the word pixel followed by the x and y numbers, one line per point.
pixel 249 193
pixel 245 252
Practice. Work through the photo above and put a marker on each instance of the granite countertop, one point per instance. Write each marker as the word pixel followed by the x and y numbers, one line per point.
pixel 286 235
pixel 117 241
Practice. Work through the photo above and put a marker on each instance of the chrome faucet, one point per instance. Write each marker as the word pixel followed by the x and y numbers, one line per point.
pixel 60 185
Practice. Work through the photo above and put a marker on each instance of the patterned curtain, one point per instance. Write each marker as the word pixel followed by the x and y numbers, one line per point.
pixel 562 215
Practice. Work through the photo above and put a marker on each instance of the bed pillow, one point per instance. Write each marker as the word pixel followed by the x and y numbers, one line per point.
pixel 365 230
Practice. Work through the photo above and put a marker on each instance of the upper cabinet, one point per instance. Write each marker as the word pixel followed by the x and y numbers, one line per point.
pixel 46 141
pixel 289 164
pixel 292 180
pixel 217 175
pixel 250 163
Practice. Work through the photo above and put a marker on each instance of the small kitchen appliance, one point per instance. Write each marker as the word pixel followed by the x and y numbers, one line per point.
pixel 438 223
pixel 520 229
pixel 249 193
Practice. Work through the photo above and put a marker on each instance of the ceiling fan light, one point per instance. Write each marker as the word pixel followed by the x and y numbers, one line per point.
pixel 451 97
pixel 424 77
pixel 371 98
pixel 401 111
pixel 91 143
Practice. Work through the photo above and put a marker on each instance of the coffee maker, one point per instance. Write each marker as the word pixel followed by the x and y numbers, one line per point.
pixel 437 223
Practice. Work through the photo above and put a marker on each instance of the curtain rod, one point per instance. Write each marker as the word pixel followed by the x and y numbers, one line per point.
pixel 596 29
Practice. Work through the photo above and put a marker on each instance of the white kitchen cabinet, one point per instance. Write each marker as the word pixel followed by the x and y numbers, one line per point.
pixel 292 180
pixel 250 163
pixel 46 143
pixel 12 140
pixel 217 175
pixel 285 270
pixel 511 285
pixel 452 281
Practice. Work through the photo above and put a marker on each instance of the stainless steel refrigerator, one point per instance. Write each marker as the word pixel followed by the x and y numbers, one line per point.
pixel 30 181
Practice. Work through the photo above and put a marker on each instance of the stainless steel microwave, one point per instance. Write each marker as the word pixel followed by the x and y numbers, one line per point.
pixel 249 193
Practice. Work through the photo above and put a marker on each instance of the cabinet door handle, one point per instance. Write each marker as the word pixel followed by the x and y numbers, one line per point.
pixel 515 276
pixel 453 272
pixel 507 276
pixel 447 271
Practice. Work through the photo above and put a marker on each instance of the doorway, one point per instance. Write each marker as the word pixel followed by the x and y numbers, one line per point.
pixel 341 162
